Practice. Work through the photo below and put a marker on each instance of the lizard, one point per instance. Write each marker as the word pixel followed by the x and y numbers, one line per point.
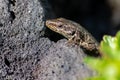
pixel 75 33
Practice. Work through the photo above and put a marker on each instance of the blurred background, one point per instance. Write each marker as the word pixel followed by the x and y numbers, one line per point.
pixel 99 17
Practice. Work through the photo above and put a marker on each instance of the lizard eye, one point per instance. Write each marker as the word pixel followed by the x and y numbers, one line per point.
pixel 73 32
pixel 60 26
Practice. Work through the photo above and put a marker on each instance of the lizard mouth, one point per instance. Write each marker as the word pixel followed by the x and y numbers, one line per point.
pixel 51 25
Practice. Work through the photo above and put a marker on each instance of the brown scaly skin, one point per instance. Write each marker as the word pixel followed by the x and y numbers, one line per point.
pixel 74 32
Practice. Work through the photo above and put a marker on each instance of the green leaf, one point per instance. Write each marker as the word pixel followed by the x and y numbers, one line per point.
pixel 108 66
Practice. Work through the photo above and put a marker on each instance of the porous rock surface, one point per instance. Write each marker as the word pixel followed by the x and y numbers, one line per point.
pixel 27 55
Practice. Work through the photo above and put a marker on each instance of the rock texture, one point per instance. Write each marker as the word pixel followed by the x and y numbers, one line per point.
pixel 62 62
pixel 25 54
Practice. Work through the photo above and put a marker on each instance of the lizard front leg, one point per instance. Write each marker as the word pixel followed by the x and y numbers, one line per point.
pixel 73 40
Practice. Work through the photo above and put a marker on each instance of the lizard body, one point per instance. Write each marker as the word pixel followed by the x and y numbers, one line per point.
pixel 74 32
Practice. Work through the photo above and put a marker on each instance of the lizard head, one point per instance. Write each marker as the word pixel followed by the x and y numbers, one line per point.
pixel 62 26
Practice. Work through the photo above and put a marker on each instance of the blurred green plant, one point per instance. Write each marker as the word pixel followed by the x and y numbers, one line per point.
pixel 108 66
